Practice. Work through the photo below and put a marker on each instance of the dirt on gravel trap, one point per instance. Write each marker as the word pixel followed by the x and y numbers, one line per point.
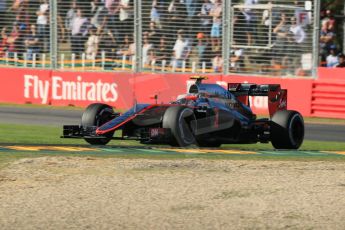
pixel 113 193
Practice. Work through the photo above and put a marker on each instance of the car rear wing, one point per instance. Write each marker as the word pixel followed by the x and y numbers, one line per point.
pixel 277 97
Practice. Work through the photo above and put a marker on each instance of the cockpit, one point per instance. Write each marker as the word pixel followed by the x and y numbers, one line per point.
pixel 211 91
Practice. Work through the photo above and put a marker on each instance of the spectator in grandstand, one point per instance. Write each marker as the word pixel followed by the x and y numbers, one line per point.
pixel 127 49
pixel 236 59
pixel 3 12
pixel 16 6
pixel 281 32
pixel 153 33
pixel 266 23
pixel 117 17
pixel 107 44
pixel 216 13
pixel 191 7
pixel 108 20
pixel 200 51
pixel 217 63
pixel 297 31
pixel 109 4
pixel 32 43
pixel 161 52
pixel 332 59
pixel 205 18
pixel 22 28
pixel 98 14
pixel 77 41
pixel 4 44
pixel 327 39
pixel 181 50
pixel 205 52
pixel 90 8
pixel 92 44
pixel 176 17
pixel 42 24
pixel 192 25
pixel 148 54
pixel 299 3
pixel 113 6
pixel 328 19
pixel 126 17
pixel 155 15
pixel 61 27
pixel 297 38
pixel 12 40
pixel 71 14
pixel 341 59
pixel 250 19
pixel 94 5
pixel 240 36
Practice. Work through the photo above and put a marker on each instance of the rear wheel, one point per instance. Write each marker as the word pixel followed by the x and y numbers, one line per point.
pixel 97 114
pixel 287 130
pixel 182 123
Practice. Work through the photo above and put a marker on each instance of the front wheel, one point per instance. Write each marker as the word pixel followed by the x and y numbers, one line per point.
pixel 182 123
pixel 97 114
pixel 287 129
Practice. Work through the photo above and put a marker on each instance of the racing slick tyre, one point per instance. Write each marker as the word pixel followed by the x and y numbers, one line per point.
pixel 287 129
pixel 96 115
pixel 182 123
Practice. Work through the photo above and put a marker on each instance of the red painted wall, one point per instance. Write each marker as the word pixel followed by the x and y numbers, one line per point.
pixel 119 89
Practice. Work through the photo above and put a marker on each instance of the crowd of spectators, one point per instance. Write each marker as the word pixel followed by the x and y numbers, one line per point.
pixel 330 52
pixel 24 28
pixel 176 33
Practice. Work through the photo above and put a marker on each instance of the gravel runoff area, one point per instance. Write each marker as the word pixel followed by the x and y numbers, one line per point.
pixel 112 193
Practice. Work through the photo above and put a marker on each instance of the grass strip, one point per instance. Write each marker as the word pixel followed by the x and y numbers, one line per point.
pixel 35 134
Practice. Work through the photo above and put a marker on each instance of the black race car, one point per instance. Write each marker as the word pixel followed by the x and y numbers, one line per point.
pixel 207 116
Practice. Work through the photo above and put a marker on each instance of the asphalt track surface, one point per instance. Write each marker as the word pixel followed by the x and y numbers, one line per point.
pixel 59 117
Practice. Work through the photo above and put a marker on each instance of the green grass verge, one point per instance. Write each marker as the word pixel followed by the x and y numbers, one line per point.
pixel 34 134
pixel 37 135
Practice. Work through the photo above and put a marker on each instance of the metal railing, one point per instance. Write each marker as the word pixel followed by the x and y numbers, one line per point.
pixel 278 38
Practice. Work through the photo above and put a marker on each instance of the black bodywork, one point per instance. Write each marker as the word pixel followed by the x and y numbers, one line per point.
pixel 208 116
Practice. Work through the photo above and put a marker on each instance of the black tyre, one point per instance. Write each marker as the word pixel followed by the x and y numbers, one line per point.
pixel 96 115
pixel 287 130
pixel 182 123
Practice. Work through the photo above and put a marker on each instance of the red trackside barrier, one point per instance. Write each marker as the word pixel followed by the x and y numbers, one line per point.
pixel 322 97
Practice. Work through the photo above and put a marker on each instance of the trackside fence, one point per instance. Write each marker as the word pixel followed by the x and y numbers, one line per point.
pixel 269 38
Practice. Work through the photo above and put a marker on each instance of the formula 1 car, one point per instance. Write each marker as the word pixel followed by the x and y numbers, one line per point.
pixel 207 116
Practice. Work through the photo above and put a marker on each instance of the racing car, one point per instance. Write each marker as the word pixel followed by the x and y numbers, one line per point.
pixel 208 115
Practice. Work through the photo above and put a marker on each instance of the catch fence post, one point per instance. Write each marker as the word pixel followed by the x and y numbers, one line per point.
pixel 226 43
pixel 62 61
pixel 53 33
pixel 316 38
pixel 137 37
pixel 34 58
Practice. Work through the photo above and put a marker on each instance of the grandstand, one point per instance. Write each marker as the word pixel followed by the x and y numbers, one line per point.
pixel 245 37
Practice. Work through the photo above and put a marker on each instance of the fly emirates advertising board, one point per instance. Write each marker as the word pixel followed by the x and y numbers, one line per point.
pixel 121 90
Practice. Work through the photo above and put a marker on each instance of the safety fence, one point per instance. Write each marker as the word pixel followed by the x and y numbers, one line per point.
pixel 277 38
